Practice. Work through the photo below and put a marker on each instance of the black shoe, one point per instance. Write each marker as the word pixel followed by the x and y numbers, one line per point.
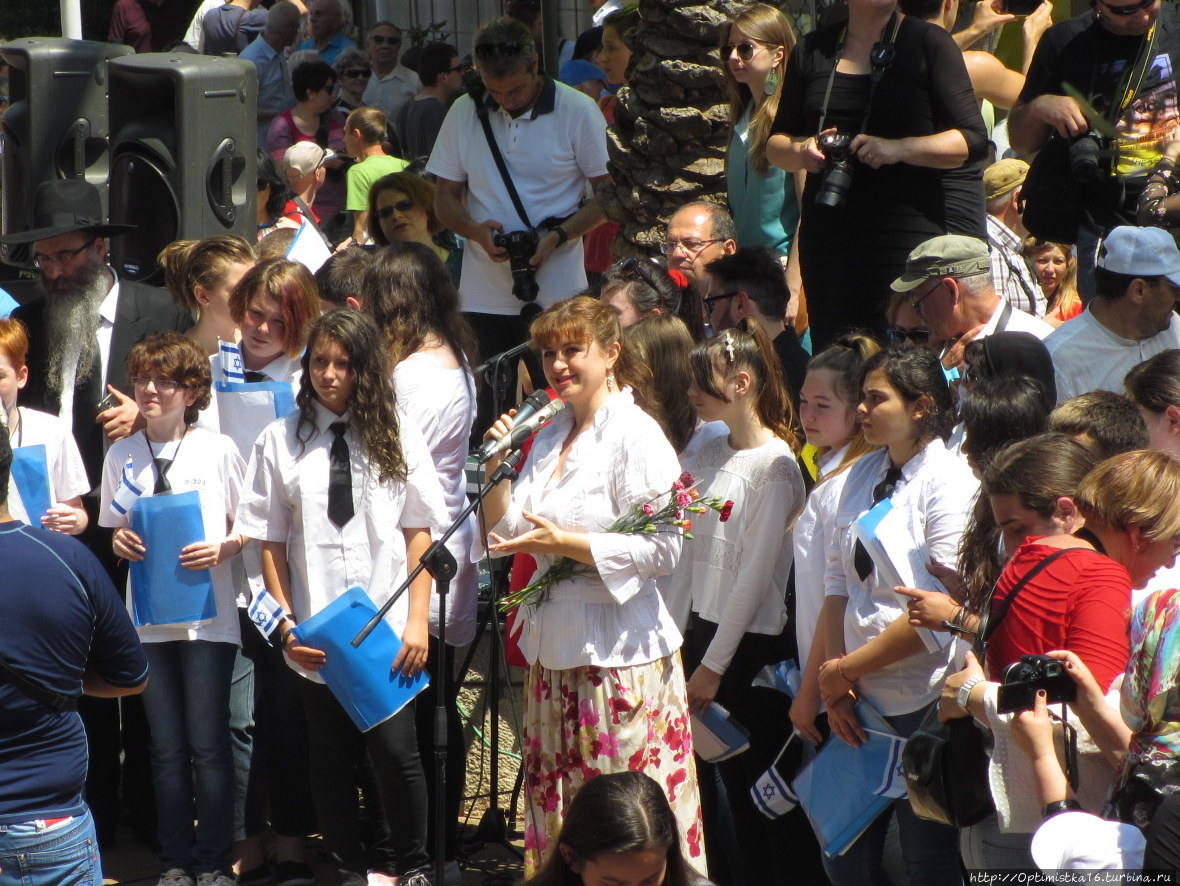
pixel 259 876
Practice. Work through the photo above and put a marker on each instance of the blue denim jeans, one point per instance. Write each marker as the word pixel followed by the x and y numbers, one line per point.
pixel 62 856
pixel 930 849
pixel 187 704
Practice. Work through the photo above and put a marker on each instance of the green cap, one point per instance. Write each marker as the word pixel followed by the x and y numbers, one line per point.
pixel 951 255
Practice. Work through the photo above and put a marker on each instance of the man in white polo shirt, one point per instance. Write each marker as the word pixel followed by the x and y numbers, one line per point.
pixel 553 141
pixel 1131 318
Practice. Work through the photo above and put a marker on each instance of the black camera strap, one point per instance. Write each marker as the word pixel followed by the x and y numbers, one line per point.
pixel 43 694
pixel 481 111
pixel 991 619
pixel 880 58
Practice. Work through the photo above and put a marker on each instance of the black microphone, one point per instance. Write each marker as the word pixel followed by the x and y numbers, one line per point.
pixel 521 431
pixel 536 400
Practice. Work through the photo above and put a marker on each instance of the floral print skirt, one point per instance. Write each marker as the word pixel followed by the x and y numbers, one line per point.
pixel 590 721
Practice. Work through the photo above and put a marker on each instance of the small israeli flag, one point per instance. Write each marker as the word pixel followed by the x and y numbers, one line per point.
pixel 265 612
pixel 772 792
pixel 127 493
pixel 231 362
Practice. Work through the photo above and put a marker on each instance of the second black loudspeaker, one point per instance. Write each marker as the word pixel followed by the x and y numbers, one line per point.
pixel 183 166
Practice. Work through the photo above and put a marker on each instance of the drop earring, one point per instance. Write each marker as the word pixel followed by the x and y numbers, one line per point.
pixel 610 382
pixel 771 84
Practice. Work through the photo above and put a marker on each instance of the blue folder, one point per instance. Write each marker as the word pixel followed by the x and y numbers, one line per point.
pixel 362 679
pixel 162 591
pixel 843 789
pixel 30 474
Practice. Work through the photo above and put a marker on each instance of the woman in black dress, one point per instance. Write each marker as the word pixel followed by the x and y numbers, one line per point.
pixel 914 156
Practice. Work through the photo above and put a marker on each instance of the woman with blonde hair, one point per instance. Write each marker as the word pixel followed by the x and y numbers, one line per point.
pixel 762 198
pixel 604 690
pixel 1056 267
pixel 201 274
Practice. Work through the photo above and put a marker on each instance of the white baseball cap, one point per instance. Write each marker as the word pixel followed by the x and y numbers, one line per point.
pixel 1140 252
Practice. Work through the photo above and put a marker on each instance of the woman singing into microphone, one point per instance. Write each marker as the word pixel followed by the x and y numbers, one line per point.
pixel 605 688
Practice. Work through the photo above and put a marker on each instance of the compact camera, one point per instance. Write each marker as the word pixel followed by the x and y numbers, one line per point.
pixel 1023 678
pixel 837 177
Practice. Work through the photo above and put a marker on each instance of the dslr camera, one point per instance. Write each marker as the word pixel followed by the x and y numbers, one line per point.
pixel 520 246
pixel 837 177
pixel 1085 157
pixel 1023 678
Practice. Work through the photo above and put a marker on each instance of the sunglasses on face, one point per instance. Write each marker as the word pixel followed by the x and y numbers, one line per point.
pixel 745 51
pixel 1128 10
pixel 402 206
pixel 899 336
pixel 357 72
pixel 386 41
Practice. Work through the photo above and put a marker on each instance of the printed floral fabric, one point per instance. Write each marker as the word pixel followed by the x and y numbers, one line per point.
pixel 588 721
pixel 1150 705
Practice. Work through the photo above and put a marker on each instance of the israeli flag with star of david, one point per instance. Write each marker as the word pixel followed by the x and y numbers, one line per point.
pixel 127 493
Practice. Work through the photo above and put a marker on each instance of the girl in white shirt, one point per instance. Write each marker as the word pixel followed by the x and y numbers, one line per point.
pixel 313 552
pixel 827 410
pixel 733 575
pixel 906 408
pixel 27 427
pixel 187 699
pixel 409 293
pixel 604 690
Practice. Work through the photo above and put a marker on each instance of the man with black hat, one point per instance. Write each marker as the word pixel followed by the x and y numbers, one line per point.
pixel 85 320
pixel 81 327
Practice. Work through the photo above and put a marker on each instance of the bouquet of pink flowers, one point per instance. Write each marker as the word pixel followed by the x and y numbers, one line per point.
pixel 667 512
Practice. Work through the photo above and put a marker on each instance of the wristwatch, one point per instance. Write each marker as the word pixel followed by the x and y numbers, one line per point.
pixel 965 691
pixel 562 236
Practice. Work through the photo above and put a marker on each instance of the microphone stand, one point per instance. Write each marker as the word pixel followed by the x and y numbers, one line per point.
pixel 442 566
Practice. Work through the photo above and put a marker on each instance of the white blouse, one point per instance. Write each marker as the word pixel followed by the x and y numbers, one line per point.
pixel 440 400
pixel 285 499
pixel 734 574
pixel 936 493
pixel 67 473
pixel 812 537
pixel 617 618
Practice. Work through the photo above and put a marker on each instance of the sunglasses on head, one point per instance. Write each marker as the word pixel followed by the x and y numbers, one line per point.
pixel 745 51
pixel 386 41
pixel 899 336
pixel 402 206
pixel 1128 10
pixel 356 72
pixel 634 268
pixel 491 50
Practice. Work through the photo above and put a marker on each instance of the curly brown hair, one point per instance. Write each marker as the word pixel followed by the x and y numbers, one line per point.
pixel 175 357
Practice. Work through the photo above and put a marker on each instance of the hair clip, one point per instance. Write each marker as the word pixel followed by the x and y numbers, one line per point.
pixel 678 277
pixel 727 343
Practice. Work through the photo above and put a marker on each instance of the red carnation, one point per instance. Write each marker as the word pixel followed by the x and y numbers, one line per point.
pixel 726 510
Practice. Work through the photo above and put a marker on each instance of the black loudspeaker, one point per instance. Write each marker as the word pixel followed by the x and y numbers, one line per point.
pixel 56 126
pixel 183 164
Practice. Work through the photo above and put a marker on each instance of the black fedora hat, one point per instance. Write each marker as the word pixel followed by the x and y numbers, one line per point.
pixel 64 205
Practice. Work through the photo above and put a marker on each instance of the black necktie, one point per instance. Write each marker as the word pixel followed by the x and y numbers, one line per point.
pixel 339 478
pixel 882 491
pixel 162 466
pixel 253 375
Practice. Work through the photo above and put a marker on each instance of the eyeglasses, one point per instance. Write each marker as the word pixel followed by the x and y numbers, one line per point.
pixel 356 72
pixel 457 69
pixel 916 304
pixel 899 336
pixel 1128 10
pixel 60 259
pixel 402 206
pixel 162 385
pixel 707 303
pixel 491 50
pixel 745 51
pixel 690 246
pixel 386 41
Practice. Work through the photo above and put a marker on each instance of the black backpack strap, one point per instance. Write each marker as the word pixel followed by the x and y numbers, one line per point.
pixel 53 700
